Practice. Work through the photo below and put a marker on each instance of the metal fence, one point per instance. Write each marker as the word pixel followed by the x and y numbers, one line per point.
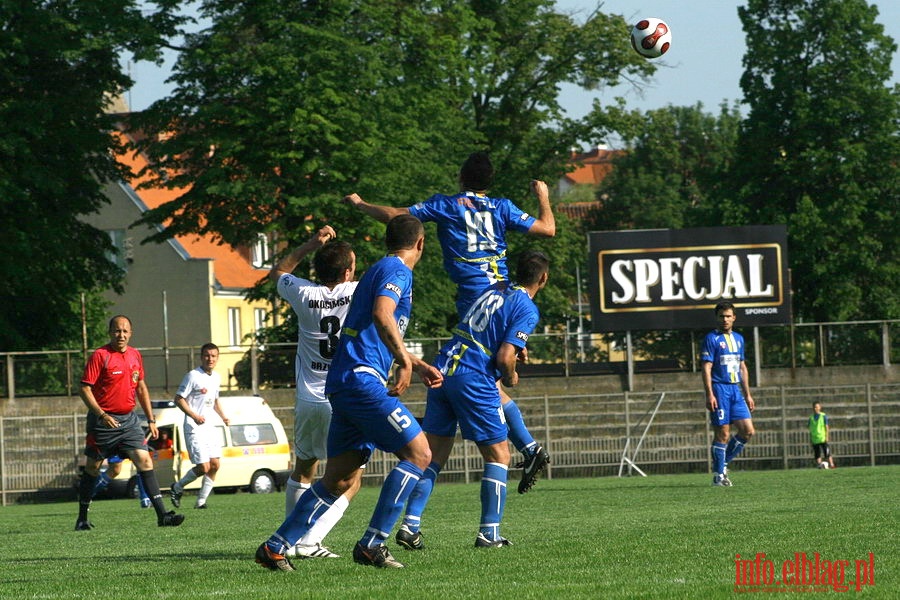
pixel 803 345
pixel 586 435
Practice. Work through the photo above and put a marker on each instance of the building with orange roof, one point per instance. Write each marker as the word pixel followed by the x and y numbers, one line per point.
pixel 181 293
pixel 590 169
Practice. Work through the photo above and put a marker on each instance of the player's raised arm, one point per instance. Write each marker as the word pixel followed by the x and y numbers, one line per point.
pixel 376 211
pixel 545 224
pixel 290 262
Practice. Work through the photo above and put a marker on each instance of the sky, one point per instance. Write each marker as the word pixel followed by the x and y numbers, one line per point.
pixel 702 65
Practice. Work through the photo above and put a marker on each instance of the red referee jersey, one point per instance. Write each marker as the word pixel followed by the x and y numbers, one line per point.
pixel 113 377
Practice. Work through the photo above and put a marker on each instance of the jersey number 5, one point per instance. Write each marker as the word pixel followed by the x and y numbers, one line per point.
pixel 398 420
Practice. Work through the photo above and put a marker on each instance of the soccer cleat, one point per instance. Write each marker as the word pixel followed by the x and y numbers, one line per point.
pixel 145 503
pixel 721 481
pixel 201 506
pixel 482 542
pixel 725 481
pixel 379 556
pixel 272 561
pixel 170 519
pixel 532 467
pixel 175 495
pixel 83 525
pixel 314 551
pixel 409 540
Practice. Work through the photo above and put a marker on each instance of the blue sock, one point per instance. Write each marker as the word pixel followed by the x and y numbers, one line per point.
pixel 735 446
pixel 311 505
pixel 419 498
pixel 395 490
pixel 493 499
pixel 518 433
pixel 102 481
pixel 142 493
pixel 718 457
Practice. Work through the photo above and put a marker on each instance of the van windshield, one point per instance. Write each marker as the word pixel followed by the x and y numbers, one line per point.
pixel 253 435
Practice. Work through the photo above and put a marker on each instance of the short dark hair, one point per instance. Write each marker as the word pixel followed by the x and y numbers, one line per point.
pixel 116 318
pixel 724 306
pixel 332 260
pixel 530 266
pixel 477 173
pixel 403 231
pixel 208 346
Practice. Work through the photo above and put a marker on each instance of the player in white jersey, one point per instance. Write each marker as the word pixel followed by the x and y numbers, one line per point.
pixel 321 309
pixel 198 399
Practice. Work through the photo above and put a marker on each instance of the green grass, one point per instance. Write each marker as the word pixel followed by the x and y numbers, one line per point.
pixel 666 537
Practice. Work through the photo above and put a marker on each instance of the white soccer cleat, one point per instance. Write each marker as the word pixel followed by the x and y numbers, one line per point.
pixel 315 551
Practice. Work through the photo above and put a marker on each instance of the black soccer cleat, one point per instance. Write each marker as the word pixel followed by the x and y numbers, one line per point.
pixel 409 540
pixel 83 525
pixel 379 556
pixel 170 519
pixel 482 542
pixel 271 560
pixel 532 467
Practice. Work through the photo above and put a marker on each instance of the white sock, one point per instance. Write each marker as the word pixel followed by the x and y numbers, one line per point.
pixel 188 477
pixel 205 490
pixel 325 523
pixel 292 492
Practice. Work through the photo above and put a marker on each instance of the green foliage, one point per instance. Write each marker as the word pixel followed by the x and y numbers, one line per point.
pixel 673 172
pixel 282 109
pixel 59 69
pixel 818 151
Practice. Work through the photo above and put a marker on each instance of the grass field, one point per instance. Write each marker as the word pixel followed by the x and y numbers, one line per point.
pixel 666 537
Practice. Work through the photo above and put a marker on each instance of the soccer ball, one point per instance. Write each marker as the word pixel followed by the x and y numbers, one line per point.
pixel 651 37
pixel 823 465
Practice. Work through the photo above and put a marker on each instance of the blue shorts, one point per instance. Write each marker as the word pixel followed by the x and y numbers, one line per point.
pixel 732 406
pixel 364 417
pixel 470 400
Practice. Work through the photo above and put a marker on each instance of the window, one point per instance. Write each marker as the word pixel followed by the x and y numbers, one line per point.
pixel 253 435
pixel 259 319
pixel 124 248
pixel 260 254
pixel 234 326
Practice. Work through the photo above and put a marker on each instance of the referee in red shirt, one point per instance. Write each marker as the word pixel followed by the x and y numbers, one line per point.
pixel 113 383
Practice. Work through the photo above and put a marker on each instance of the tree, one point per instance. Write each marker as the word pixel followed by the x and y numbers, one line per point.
pixel 59 70
pixel 818 151
pixel 280 109
pixel 674 171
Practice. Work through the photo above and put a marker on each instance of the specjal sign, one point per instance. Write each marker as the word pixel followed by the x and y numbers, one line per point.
pixel 673 278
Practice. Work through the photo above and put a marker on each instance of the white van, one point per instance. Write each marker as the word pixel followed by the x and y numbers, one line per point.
pixel 256 454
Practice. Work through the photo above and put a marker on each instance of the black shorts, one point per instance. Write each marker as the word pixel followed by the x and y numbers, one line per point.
pixel 103 441
pixel 821 450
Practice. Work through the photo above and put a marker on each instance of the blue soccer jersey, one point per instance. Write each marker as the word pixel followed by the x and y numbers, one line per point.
pixel 726 353
pixel 472 233
pixel 504 313
pixel 360 347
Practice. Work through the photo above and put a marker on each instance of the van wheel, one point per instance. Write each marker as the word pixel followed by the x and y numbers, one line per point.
pixel 262 482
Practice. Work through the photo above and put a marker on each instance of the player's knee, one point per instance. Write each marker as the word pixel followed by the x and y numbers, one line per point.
pixel 419 455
